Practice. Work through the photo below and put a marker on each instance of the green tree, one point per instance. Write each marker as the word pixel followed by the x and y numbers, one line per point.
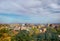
pixel 51 34
pixel 23 35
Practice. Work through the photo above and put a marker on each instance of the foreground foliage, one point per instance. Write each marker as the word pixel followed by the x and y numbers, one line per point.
pixel 32 35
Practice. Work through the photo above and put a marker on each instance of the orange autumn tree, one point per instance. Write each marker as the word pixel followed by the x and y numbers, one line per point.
pixel 4 33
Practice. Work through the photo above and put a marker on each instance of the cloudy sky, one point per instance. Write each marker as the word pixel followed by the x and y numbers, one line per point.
pixel 29 11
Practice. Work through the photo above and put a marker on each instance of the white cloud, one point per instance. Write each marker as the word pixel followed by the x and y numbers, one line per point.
pixel 55 6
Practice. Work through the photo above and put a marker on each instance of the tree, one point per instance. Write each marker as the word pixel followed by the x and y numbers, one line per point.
pixel 23 35
pixel 4 34
pixel 51 34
